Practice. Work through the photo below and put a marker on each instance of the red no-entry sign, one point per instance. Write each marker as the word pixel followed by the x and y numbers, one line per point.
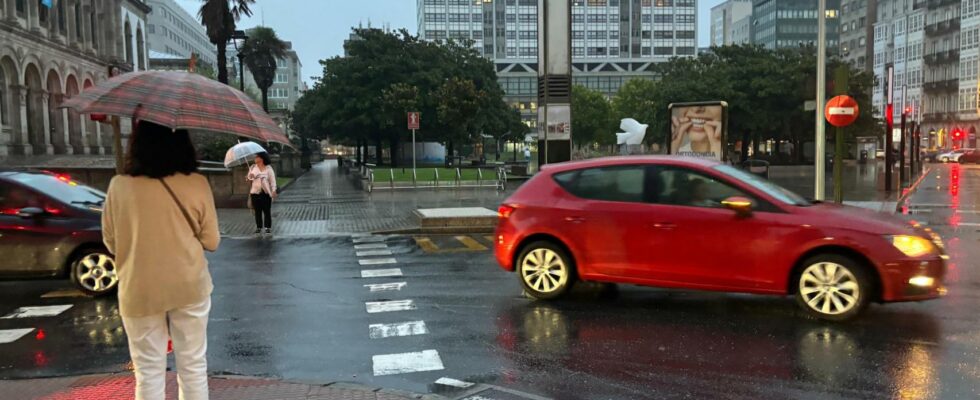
pixel 413 120
pixel 842 111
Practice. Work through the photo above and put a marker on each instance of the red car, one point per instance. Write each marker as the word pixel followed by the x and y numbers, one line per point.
pixel 680 222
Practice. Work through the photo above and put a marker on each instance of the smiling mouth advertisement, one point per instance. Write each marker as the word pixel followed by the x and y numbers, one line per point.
pixel 697 130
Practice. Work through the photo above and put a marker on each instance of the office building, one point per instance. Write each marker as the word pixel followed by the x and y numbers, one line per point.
pixel 742 31
pixel 780 24
pixel 857 18
pixel 172 30
pixel 723 19
pixel 613 41
pixel 50 54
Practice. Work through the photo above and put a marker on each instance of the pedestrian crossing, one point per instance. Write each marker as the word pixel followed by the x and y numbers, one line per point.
pixel 27 316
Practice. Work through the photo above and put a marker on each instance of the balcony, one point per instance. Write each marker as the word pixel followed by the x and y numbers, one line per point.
pixel 934 4
pixel 942 57
pixel 946 85
pixel 938 117
pixel 942 28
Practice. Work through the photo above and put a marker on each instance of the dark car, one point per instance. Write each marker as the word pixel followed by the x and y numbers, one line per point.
pixel 51 227
pixel 970 157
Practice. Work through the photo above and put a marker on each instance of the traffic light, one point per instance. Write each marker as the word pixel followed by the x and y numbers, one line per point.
pixel 957 134
pixel 908 110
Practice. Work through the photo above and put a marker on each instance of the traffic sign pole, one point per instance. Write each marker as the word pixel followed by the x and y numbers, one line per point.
pixel 414 122
pixel 413 151
pixel 902 176
pixel 841 111
pixel 838 166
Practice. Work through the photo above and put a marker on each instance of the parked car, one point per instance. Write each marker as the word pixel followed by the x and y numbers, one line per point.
pixel 680 222
pixel 972 156
pixel 51 227
pixel 951 156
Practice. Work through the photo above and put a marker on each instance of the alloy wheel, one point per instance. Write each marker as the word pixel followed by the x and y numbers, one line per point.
pixel 96 272
pixel 544 270
pixel 829 288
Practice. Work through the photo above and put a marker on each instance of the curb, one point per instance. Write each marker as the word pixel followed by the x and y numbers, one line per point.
pixel 903 199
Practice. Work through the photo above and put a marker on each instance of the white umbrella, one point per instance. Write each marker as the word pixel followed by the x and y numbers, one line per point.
pixel 241 153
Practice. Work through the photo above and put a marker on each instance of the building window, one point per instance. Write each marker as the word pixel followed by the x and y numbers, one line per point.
pixel 282 77
pixel 62 25
pixel 663 51
pixel 42 12
pixel 663 19
pixel 685 35
pixel 78 21
pixel 21 6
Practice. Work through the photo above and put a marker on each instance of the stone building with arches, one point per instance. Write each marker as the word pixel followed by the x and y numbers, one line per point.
pixel 48 55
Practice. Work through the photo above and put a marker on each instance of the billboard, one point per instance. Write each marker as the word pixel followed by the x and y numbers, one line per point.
pixel 559 121
pixel 698 129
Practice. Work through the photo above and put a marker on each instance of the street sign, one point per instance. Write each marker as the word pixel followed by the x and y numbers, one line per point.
pixel 414 120
pixel 842 111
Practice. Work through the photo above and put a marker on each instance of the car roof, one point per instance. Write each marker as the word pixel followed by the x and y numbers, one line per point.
pixel 680 161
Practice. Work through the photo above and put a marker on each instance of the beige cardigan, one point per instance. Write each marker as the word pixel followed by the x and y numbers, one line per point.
pixel 161 264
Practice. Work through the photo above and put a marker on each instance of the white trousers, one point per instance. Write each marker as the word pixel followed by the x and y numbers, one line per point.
pixel 148 349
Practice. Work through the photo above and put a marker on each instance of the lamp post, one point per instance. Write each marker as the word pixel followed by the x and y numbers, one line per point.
pixel 241 57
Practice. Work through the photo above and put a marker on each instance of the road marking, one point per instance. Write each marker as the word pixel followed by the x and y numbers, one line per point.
pixel 381 331
pixel 369 239
pixel 63 293
pixel 37 311
pixel 453 382
pixel 10 335
pixel 381 273
pixel 489 239
pixel 471 243
pixel 385 287
pixel 370 253
pixel 389 306
pixel 377 261
pixel 370 246
pixel 403 363
pixel 967 224
pixel 426 244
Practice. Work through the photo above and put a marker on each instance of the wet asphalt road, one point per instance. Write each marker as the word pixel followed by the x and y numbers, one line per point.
pixel 295 308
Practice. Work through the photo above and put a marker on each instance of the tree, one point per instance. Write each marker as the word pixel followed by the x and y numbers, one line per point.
pixel 639 99
pixel 592 117
pixel 219 18
pixel 458 101
pixel 262 52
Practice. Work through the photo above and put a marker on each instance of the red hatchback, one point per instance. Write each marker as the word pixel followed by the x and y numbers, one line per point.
pixel 687 223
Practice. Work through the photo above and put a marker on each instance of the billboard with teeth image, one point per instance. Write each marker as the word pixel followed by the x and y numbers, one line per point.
pixel 698 129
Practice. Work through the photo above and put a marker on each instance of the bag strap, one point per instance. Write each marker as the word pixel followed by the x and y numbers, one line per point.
pixel 187 216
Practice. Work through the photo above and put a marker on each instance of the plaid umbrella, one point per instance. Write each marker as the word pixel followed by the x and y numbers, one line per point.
pixel 179 100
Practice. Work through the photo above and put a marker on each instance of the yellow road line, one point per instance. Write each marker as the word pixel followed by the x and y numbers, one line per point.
pixel 426 244
pixel 471 243
pixel 489 239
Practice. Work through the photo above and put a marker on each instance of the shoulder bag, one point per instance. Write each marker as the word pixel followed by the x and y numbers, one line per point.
pixel 187 216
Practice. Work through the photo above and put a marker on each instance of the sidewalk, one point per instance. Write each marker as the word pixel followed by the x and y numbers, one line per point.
pixel 324 202
pixel 121 386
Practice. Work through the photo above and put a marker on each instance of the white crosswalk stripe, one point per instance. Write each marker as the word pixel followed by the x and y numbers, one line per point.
pixel 403 363
pixel 369 239
pixel 370 253
pixel 37 311
pixel 381 331
pixel 377 261
pixel 381 273
pixel 370 246
pixel 389 306
pixel 10 335
pixel 453 382
pixel 386 287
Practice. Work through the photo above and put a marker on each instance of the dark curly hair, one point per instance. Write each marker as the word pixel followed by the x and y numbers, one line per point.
pixel 265 158
pixel 157 151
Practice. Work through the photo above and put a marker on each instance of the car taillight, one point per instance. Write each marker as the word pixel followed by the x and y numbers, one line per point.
pixel 504 211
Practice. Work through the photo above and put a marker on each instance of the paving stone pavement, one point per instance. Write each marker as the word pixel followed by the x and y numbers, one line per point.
pixel 325 202
pixel 121 386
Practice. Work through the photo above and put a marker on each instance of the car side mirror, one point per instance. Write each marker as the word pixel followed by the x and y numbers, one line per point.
pixel 741 205
pixel 30 212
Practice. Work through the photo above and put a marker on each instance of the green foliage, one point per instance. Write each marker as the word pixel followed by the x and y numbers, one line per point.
pixel 592 117
pixel 262 51
pixel 211 147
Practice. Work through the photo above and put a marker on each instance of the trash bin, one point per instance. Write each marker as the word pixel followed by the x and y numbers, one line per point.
pixel 863 159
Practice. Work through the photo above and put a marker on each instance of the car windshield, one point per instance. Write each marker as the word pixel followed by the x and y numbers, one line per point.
pixel 63 189
pixel 779 193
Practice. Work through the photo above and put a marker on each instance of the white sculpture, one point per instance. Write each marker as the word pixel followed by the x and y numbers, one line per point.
pixel 634 132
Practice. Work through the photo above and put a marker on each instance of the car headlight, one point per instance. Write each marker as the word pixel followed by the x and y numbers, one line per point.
pixel 912 246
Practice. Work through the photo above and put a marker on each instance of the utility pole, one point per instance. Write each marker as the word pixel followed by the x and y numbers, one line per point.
pixel 889 126
pixel 820 155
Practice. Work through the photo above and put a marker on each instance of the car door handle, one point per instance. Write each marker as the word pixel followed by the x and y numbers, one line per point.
pixel 664 225
pixel 575 220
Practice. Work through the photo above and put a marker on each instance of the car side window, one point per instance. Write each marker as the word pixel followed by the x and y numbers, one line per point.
pixel 684 187
pixel 14 198
pixel 621 183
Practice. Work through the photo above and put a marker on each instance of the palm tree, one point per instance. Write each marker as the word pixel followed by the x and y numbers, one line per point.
pixel 262 52
pixel 219 18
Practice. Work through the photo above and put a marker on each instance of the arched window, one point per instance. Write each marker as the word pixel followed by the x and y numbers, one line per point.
pixel 92 30
pixel 62 24
pixel 42 13
pixel 3 98
pixel 78 21
pixel 129 43
pixel 140 50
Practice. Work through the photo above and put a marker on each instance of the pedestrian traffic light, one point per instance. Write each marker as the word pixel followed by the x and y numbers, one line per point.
pixel 908 110
pixel 957 134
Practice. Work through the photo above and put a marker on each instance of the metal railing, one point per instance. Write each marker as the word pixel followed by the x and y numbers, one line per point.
pixel 387 179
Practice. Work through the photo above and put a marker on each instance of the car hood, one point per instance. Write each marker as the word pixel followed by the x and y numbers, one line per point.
pixel 860 219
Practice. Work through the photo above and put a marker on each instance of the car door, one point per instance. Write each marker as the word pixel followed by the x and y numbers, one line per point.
pixel 599 217
pixel 706 245
pixel 27 243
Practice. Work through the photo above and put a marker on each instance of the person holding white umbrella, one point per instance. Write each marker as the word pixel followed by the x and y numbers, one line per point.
pixel 263 178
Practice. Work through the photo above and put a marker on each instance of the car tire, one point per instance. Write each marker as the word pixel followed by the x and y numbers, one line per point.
pixel 93 271
pixel 546 270
pixel 945 159
pixel 833 287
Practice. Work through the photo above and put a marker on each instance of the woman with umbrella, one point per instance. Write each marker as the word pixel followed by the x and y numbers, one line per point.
pixel 159 217
pixel 263 179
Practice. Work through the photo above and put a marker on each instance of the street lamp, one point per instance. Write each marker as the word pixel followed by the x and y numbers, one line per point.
pixel 241 56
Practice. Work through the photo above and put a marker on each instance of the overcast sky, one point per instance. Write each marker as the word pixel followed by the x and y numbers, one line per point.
pixel 318 28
